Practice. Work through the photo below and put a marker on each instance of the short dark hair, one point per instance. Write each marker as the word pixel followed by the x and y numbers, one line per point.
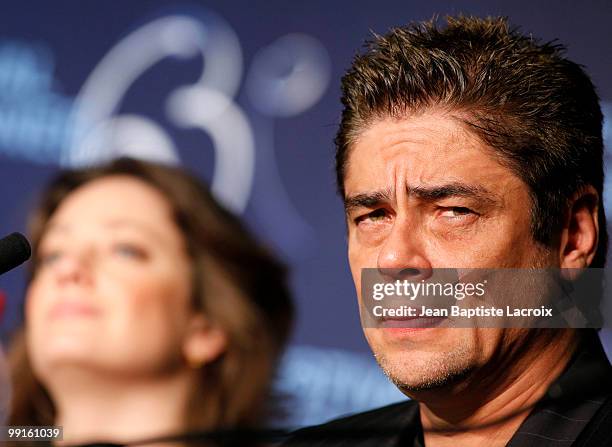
pixel 521 96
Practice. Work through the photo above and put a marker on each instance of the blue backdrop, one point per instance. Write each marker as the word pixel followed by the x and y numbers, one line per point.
pixel 84 81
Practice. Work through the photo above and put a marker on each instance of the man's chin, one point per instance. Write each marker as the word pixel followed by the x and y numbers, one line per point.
pixel 414 371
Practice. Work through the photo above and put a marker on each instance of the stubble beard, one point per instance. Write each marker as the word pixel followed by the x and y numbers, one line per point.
pixel 434 370
pixel 413 373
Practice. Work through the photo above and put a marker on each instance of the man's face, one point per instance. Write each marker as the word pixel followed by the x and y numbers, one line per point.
pixel 424 192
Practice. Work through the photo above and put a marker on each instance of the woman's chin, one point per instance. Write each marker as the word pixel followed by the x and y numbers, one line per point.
pixel 64 352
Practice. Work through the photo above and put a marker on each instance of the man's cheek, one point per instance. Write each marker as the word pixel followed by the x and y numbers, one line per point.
pixel 362 257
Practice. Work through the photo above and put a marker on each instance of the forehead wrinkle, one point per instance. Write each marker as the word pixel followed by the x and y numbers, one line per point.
pixel 399 180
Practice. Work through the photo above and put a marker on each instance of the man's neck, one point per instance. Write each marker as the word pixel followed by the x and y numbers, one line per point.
pixel 489 406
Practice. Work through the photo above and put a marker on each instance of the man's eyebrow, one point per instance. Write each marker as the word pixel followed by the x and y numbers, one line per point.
pixel 424 193
pixel 367 200
pixel 456 189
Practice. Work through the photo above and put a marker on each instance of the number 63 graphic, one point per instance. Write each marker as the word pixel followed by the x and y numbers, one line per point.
pixel 208 104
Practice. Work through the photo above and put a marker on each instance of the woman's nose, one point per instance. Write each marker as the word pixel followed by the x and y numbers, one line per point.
pixel 74 268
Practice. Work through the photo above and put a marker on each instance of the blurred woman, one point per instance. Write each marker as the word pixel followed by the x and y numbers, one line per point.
pixel 150 311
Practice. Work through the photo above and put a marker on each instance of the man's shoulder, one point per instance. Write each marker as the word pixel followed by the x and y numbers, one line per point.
pixel 374 427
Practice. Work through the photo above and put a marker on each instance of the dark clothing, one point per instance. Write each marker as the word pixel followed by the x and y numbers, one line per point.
pixel 576 411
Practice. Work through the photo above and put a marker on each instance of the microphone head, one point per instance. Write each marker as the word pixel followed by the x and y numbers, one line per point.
pixel 14 250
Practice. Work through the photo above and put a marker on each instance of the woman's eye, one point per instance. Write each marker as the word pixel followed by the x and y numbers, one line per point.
pixel 49 257
pixel 129 251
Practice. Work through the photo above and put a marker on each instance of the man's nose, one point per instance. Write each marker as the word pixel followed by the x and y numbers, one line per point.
pixel 403 255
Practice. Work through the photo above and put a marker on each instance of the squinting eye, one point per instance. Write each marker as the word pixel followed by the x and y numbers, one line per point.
pixel 373 216
pixel 456 212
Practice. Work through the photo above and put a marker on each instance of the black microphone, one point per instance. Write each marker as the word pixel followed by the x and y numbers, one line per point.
pixel 14 250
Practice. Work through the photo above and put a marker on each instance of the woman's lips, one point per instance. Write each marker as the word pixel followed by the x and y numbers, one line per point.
pixel 73 309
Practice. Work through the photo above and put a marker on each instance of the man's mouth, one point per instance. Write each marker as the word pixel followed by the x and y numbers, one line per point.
pixel 411 322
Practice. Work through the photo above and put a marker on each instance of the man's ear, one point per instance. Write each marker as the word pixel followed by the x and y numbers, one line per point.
pixel 580 232
pixel 204 342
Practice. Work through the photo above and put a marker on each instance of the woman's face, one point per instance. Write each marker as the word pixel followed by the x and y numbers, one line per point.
pixel 113 284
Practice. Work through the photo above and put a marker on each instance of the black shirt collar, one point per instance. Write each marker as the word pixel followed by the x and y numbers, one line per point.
pixel 569 404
